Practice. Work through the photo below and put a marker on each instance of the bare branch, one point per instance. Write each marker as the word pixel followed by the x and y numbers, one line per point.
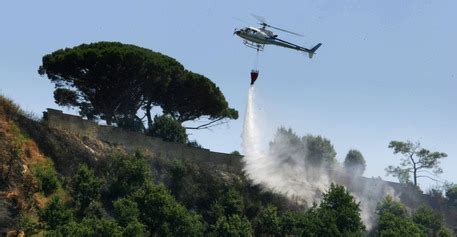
pixel 209 125
pixel 430 173
pixel 425 176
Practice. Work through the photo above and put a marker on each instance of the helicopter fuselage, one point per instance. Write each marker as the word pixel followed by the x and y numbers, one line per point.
pixel 258 37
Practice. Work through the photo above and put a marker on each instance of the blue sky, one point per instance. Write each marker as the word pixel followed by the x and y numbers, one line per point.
pixel 386 71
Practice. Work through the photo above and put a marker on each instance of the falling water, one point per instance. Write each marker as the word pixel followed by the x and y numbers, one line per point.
pixel 251 139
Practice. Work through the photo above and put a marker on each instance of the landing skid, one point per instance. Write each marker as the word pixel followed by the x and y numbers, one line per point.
pixel 258 47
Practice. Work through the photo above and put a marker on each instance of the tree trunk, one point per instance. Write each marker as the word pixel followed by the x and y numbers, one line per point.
pixel 415 175
pixel 148 114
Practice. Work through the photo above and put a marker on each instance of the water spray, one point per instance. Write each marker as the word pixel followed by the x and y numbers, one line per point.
pixel 292 177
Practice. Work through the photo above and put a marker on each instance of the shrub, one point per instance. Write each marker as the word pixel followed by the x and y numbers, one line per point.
pixel 48 181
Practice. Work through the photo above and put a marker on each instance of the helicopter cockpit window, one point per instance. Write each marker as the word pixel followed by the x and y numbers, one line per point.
pixel 250 31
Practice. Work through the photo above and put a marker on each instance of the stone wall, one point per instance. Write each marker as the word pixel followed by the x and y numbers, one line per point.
pixel 134 141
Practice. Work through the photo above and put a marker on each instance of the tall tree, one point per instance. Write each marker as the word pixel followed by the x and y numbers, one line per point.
pixel 287 146
pixel 340 204
pixel 290 148
pixel 320 150
pixel 354 162
pixel 416 161
pixel 112 81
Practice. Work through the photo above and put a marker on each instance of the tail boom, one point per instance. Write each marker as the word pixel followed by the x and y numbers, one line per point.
pixel 283 43
pixel 312 51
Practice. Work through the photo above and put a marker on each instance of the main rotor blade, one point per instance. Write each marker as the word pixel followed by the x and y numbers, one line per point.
pixel 290 32
pixel 264 23
pixel 259 18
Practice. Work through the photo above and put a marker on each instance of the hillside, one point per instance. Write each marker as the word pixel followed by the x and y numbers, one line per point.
pixel 41 159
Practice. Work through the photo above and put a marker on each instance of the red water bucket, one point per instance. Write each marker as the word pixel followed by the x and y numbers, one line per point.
pixel 254 75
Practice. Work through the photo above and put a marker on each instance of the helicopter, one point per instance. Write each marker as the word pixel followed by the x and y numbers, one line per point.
pixel 257 38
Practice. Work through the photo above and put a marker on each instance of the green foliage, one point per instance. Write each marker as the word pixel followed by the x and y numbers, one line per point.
pixel 313 222
pixel 193 96
pixel 287 144
pixel 451 194
pixel 444 232
pixel 54 214
pixel 176 171
pixel 342 205
pixel 436 192
pixel 430 221
pixel 394 220
pixel 126 211
pixel 169 129
pixel 71 229
pixel 9 108
pixel 269 222
pixel 354 162
pixel 194 143
pixel 403 175
pixel 107 77
pixel 290 148
pixel 85 187
pixel 134 229
pixel 102 227
pixel 415 159
pixel 126 174
pixel 94 210
pixel 27 225
pixel 206 185
pixel 388 205
pixel 320 150
pixel 162 215
pixel 233 225
pixel 65 97
pixel 292 223
pixel 337 215
pixel 130 122
pixel 112 81
pixel 232 203
pixel 391 225
pixel 88 227
pixel 48 181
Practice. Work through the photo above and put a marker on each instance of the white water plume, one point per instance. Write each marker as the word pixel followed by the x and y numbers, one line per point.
pixel 291 176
